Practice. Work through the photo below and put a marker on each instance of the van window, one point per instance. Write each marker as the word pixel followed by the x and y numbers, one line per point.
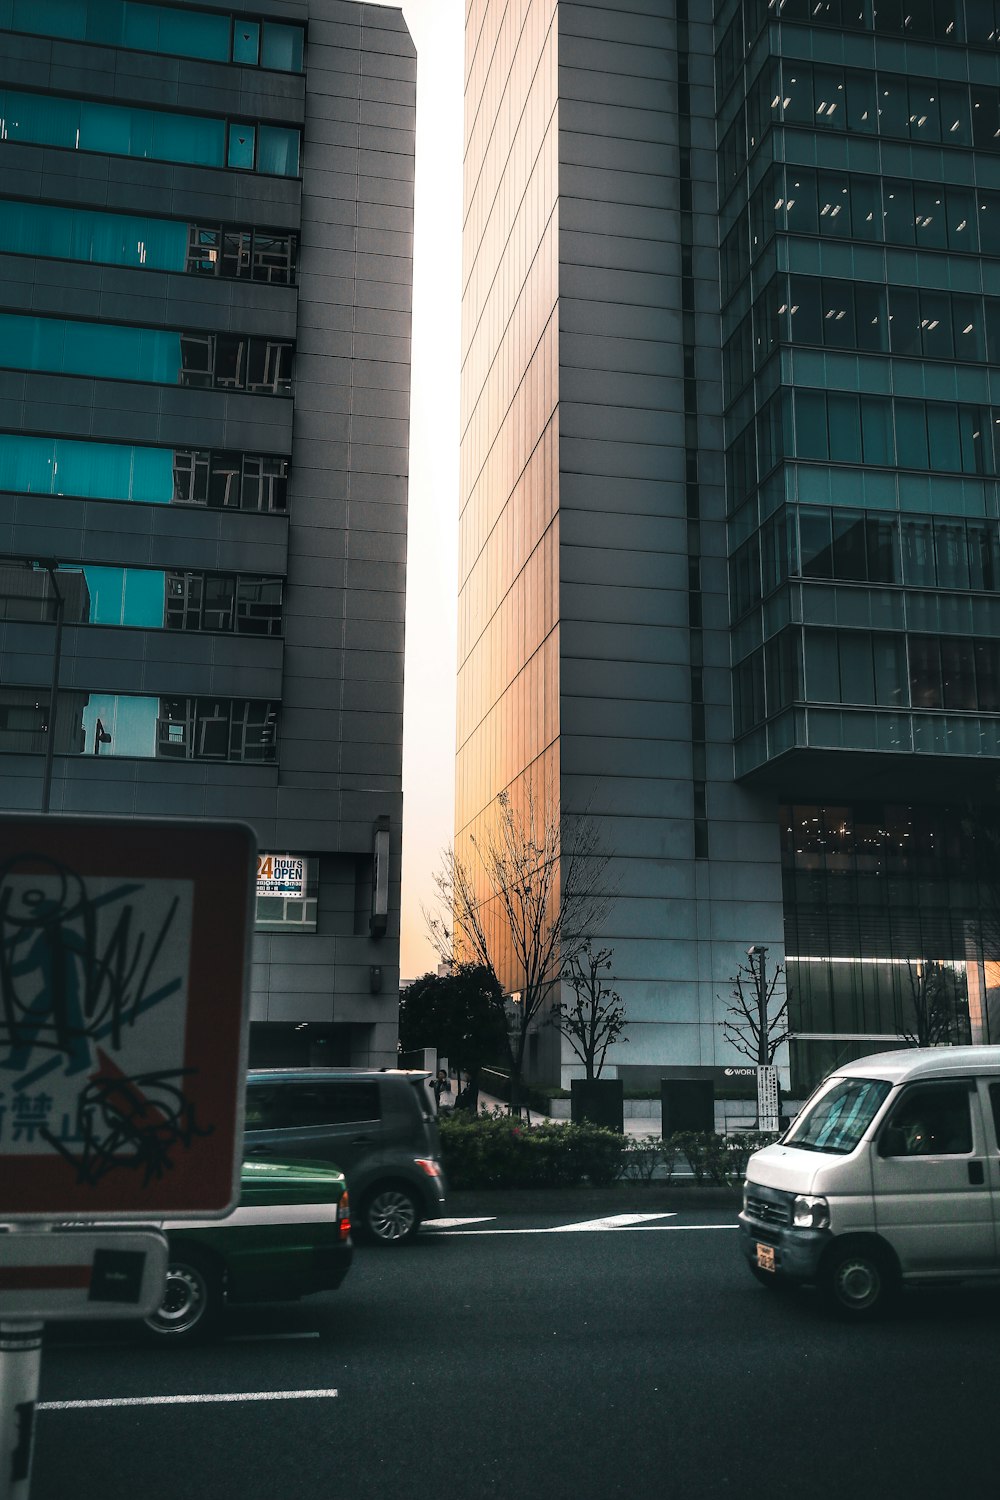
pixel 930 1120
pixel 299 1106
pixel 995 1101
pixel 838 1115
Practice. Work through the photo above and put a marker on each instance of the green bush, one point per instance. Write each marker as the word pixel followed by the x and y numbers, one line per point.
pixel 501 1151
pixel 719 1159
pixel 643 1156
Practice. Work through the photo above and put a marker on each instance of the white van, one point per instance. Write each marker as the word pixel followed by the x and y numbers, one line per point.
pixel 890 1174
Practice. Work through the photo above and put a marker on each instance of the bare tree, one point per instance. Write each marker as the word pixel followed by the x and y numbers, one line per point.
pixel 597 1016
pixel 749 1025
pixel 532 889
pixel 933 1018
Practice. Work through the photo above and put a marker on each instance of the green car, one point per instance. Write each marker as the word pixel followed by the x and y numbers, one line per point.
pixel 289 1236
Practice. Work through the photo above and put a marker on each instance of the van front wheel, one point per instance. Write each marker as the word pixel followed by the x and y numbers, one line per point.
pixel 858 1282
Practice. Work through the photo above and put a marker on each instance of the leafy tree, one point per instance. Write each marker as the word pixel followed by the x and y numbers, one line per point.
pixel 533 887
pixel 596 1017
pixel 461 1014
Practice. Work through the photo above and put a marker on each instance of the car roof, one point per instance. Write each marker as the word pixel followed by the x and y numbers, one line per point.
pixel 924 1062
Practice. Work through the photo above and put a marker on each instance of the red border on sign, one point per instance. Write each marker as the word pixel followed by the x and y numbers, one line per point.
pixel 219 859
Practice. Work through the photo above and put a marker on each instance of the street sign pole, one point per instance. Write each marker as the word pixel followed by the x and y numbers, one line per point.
pixel 124 969
pixel 20 1365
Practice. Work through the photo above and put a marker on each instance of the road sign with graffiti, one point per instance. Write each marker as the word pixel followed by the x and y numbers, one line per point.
pixel 124 964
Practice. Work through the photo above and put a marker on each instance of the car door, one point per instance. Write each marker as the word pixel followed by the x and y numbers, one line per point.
pixel 932 1199
pixel 333 1120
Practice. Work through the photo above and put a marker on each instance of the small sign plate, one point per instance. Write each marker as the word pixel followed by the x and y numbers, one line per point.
pixel 124 963
pixel 81 1273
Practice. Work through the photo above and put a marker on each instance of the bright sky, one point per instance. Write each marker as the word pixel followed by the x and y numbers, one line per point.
pixel 431 605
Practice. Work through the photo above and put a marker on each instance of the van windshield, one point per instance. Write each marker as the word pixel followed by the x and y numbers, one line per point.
pixel 837 1117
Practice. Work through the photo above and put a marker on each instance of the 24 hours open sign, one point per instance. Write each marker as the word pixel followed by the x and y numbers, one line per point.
pixel 124 964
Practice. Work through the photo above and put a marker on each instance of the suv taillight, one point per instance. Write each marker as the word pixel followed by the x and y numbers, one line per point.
pixel 344 1215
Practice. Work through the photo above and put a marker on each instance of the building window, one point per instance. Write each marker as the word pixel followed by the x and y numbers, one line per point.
pixel 204 34
pixel 117 725
pixel 287 893
pixel 206 361
pixel 125 130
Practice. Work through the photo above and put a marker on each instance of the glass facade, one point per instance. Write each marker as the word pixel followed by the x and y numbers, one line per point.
pixel 144 243
pixel 860 276
pixel 153 476
pixel 161 28
pixel 127 130
pixel 863 425
pixel 890 929
pixel 153 598
pixel 119 725
pixel 206 361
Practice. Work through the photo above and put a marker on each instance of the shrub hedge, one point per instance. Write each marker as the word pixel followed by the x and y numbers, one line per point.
pixel 500 1151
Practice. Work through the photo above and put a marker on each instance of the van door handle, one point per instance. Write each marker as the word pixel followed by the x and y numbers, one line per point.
pixel 261 1151
pixel 976 1173
pixel 362 1140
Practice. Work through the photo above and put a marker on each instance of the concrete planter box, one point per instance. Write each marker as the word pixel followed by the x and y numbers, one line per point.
pixel 598 1101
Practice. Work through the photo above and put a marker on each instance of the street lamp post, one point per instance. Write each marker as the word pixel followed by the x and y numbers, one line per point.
pixel 50 565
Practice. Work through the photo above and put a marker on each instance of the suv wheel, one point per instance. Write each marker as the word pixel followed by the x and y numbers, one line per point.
pixel 192 1300
pixel 390 1214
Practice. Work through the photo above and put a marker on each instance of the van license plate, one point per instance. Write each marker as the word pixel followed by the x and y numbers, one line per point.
pixel 765 1257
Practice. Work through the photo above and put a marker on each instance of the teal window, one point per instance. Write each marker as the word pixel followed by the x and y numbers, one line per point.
pixel 160 28
pixel 84 234
pixel 246 42
pixel 117 725
pixel 282 47
pixel 278 151
pixel 123 130
pixel 154 599
pixel 208 361
pixel 159 476
pixel 242 147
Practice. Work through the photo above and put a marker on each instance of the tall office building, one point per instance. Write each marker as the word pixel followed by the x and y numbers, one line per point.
pixel 729 530
pixel 205 273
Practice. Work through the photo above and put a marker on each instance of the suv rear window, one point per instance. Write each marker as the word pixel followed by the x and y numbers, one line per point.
pixel 299 1106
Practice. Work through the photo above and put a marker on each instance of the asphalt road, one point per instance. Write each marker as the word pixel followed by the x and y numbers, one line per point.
pixel 620 1362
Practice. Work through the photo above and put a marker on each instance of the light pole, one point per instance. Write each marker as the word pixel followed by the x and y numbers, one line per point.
pixel 50 566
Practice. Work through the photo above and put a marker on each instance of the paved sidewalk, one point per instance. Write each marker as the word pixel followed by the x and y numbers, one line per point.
pixel 639 1128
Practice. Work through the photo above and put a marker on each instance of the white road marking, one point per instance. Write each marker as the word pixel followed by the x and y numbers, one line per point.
pixel 186 1400
pixel 621 1229
pixel 456 1223
pixel 610 1221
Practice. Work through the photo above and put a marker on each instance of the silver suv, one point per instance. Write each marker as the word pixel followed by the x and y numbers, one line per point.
pixel 379 1128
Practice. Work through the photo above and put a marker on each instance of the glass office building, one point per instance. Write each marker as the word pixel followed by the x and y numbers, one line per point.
pixel 776 315
pixel 205 272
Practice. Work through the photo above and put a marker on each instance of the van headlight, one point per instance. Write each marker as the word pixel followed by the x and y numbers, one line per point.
pixel 810 1213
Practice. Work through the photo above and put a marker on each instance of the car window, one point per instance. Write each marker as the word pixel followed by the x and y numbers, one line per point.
pixel 930 1121
pixel 298 1106
pixel 995 1101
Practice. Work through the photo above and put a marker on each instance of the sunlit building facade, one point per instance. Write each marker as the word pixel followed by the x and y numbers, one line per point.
pixel 768 659
pixel 205 276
